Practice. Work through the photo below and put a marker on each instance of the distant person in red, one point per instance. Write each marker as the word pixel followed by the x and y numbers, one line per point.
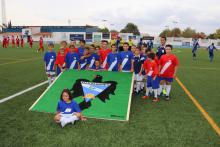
pixel 4 42
pixel 31 42
pixel 13 41
pixel 7 42
pixel 17 42
pixel 41 45
pixel 103 53
pixel 22 42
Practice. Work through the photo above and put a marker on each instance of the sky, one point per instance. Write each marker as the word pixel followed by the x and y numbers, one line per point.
pixel 151 16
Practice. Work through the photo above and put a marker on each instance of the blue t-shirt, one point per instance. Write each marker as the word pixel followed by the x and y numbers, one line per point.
pixel 138 61
pixel 84 63
pixel 49 59
pixel 160 51
pixel 113 61
pixel 68 108
pixel 211 48
pixel 94 57
pixel 72 60
pixel 126 60
pixel 81 51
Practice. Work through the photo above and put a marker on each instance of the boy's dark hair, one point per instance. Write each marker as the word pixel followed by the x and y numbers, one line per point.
pixel 169 45
pixel 148 50
pixel 164 38
pixel 72 46
pixel 125 43
pixel 86 47
pixel 93 46
pixel 113 45
pixel 51 44
pixel 139 48
pixel 68 92
pixel 82 41
pixel 144 44
pixel 151 56
pixel 105 41
pixel 63 42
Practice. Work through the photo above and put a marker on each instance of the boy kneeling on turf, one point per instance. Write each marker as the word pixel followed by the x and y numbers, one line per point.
pixel 68 111
pixel 152 71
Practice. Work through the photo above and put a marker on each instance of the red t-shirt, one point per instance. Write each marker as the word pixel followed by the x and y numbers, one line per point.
pixel 103 53
pixel 60 60
pixel 168 64
pixel 67 50
pixel 151 68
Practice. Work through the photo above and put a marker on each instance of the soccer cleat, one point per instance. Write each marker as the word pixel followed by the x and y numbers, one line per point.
pixel 167 98
pixel 145 97
pixel 155 99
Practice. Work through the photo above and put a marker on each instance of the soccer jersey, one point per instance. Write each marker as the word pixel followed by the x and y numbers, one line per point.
pixel 49 59
pixel 103 57
pixel 81 51
pixel 168 64
pixel 72 60
pixel 94 57
pixel 138 61
pixel 160 51
pixel 113 61
pixel 211 48
pixel 83 63
pixel 195 46
pixel 67 50
pixel 151 68
pixel 126 60
pixel 68 108
pixel 60 60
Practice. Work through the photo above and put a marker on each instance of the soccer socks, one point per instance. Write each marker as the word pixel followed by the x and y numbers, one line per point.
pixel 49 80
pixel 160 89
pixel 138 86
pixel 155 92
pixel 148 90
pixel 168 88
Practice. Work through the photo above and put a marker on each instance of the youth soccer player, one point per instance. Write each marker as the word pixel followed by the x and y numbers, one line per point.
pixel 152 71
pixel 161 49
pixel 84 60
pixel 49 59
pixel 93 57
pixel 211 49
pixel 17 42
pixel 168 65
pixel 138 67
pixel 126 59
pixel 13 41
pixel 22 42
pixel 60 61
pixel 30 42
pixel 41 46
pixel 82 47
pixel 113 59
pixel 194 48
pixel 150 44
pixel 103 53
pixel 72 59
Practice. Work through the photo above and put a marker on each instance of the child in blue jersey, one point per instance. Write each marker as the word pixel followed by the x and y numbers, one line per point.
pixel 84 60
pixel 98 66
pixel 161 49
pixel 49 59
pixel 126 59
pixel 68 111
pixel 93 57
pixel 194 48
pixel 211 49
pixel 72 59
pixel 138 67
pixel 150 44
pixel 113 59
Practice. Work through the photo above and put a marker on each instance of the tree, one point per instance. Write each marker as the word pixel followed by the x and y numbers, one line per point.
pixel 211 36
pixel 104 30
pixel 114 31
pixel 131 28
pixel 188 33
pixel 166 32
pixel 217 34
pixel 176 32
pixel 201 35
